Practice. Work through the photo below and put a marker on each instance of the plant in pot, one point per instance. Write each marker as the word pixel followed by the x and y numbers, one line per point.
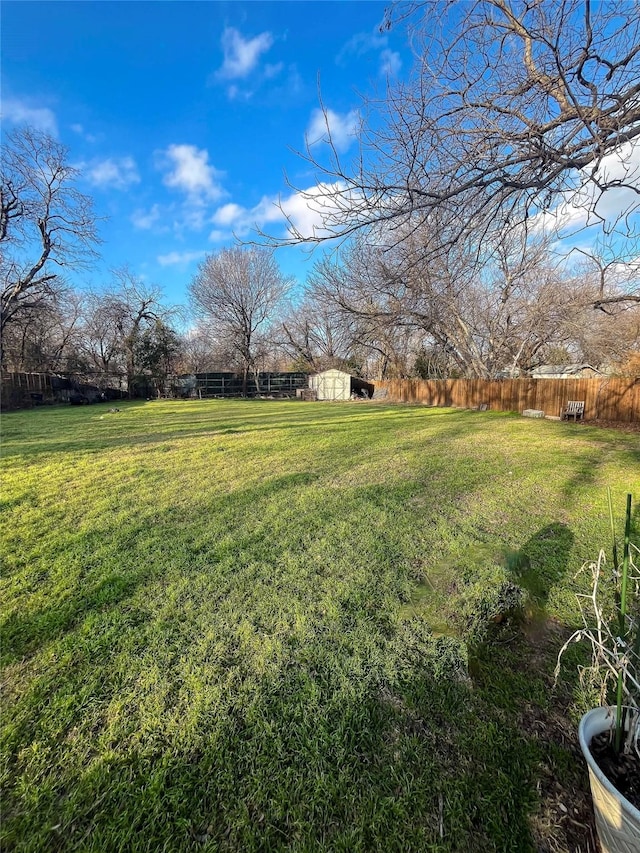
pixel 610 734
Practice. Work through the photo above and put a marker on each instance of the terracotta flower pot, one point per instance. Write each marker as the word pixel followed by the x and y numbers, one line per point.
pixel 617 820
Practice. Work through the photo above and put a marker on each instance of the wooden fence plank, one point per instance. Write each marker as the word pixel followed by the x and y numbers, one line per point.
pixel 608 398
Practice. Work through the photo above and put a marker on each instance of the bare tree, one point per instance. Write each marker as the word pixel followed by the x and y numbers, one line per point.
pixel 118 317
pixel 238 290
pixel 46 224
pixel 515 108
pixel 135 306
pixel 603 340
pixel 198 350
pixel 323 333
pixel 46 337
pixel 484 320
pixel 316 334
pixel 603 279
pixel 101 339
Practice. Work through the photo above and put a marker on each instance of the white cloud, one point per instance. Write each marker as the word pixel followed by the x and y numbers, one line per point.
pixel 193 215
pixel 342 129
pixel 191 173
pixel 309 210
pixel 80 130
pixel 390 63
pixel 228 214
pixel 147 220
pixel 241 55
pixel 372 42
pixel 586 206
pixel 19 112
pixel 272 70
pixel 236 219
pixel 361 43
pixel 113 173
pixel 302 212
pixel 235 93
pixel 173 258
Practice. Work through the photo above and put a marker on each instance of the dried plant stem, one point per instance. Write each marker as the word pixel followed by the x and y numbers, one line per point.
pixel 615 642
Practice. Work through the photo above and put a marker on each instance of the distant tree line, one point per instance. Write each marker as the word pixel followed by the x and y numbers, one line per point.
pixel 358 312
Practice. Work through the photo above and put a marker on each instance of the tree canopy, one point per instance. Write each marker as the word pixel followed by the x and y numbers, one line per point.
pixel 514 111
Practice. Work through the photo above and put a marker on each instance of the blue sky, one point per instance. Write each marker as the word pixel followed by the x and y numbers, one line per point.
pixel 181 115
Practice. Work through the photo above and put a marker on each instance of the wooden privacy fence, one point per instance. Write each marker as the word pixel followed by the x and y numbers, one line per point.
pixel 611 399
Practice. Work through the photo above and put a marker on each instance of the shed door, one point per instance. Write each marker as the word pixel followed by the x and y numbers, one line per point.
pixel 334 386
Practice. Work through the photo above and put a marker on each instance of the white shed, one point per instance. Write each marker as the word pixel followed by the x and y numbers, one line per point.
pixel 331 385
pixel 337 385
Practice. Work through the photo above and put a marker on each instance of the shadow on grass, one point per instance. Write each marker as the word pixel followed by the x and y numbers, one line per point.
pixel 22 634
pixel 80 434
pixel 352 741
pixel 357 743
pixel 585 471
pixel 25 630
pixel 587 466
pixel 359 739
pixel 515 676
pixel 542 561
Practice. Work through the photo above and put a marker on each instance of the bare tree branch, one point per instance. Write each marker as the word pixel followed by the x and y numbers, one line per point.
pixel 514 108
pixel 45 222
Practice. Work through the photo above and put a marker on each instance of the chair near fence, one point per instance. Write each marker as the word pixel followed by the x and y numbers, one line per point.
pixel 573 409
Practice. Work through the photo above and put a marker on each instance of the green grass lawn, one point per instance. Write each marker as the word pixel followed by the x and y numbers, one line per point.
pixel 248 625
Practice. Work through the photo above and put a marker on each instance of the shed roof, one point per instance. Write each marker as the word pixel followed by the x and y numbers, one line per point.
pixel 333 371
pixel 562 369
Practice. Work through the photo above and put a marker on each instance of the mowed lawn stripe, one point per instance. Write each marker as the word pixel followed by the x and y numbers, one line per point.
pixel 233 625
